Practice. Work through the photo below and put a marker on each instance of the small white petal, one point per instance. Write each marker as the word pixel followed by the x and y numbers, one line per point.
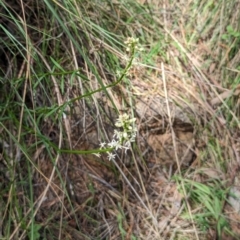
pixel 102 145
pixel 111 156
pixel 97 154
pixel 113 143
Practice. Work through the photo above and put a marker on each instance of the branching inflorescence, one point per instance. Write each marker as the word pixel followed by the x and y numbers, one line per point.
pixel 126 134
pixel 123 138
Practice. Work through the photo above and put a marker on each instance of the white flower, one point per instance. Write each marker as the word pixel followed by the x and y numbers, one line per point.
pixel 121 139
pixel 102 145
pixel 132 120
pixel 133 43
pixel 117 134
pixel 125 135
pixel 111 156
pixel 133 137
pixel 112 144
pixel 129 128
pixel 115 144
pixel 124 120
pixel 131 40
pixel 127 144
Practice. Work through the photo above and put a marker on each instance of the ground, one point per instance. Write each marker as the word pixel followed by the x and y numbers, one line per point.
pixel 67 76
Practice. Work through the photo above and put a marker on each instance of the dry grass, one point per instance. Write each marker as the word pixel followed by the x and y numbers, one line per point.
pixel 59 64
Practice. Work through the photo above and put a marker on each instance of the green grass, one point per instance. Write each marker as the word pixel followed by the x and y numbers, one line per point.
pixel 211 198
pixel 65 77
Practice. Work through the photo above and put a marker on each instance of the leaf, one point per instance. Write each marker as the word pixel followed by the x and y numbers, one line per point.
pixel 34 233
pixel 230 29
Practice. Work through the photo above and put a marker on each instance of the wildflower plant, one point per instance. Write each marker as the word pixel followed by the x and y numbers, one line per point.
pixel 126 132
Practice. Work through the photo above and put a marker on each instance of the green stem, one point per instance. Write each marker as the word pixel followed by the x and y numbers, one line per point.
pixel 105 87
